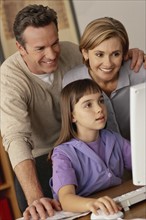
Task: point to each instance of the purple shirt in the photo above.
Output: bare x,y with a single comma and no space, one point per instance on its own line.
91,167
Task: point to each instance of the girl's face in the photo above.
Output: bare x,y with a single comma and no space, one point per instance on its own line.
89,114
105,60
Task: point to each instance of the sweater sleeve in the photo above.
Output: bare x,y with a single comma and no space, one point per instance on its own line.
15,122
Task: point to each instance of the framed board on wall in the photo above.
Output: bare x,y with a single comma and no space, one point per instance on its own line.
66,21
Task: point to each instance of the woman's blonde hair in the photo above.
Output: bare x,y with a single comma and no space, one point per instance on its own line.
100,30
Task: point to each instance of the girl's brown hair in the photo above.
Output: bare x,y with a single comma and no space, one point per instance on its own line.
70,95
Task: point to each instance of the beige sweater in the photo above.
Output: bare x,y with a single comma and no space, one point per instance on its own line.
30,111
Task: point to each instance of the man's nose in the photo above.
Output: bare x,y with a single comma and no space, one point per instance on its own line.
50,53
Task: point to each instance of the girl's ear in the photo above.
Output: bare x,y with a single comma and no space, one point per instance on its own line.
85,54
73,118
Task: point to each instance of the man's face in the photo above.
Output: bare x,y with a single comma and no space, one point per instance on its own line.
42,48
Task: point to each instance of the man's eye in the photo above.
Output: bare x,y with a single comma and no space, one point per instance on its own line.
56,43
39,48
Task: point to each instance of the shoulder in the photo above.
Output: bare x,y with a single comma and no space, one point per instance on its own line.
65,148
66,45
126,66
15,74
78,69
13,65
105,133
134,78
10,61
70,49
76,73
66,144
113,137
109,133
70,56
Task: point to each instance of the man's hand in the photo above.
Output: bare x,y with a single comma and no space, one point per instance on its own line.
138,58
41,208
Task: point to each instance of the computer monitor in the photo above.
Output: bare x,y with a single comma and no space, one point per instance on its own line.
138,133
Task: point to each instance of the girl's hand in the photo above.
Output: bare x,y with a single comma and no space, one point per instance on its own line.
105,204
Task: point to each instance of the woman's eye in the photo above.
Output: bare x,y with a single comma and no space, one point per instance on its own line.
99,54
116,54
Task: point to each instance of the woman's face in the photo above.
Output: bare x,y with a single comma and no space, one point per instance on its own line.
105,60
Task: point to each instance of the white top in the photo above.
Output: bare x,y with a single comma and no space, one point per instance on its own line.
47,77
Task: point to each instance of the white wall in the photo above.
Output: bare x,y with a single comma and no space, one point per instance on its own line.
132,13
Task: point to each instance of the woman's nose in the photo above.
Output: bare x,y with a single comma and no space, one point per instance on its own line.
107,61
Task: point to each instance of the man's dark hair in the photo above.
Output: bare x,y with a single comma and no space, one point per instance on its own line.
35,16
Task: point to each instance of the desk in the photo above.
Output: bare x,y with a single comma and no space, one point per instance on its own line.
136,211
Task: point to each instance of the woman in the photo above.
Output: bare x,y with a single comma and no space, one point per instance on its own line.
104,45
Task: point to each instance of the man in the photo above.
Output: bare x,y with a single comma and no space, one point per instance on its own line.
31,81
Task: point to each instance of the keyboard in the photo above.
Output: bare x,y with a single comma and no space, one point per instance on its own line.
131,198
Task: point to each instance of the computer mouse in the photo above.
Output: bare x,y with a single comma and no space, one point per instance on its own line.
102,216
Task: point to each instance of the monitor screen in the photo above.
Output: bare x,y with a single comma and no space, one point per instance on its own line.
138,133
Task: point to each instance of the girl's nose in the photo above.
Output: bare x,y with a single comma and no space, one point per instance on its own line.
98,109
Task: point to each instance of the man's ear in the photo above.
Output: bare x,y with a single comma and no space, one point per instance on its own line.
85,54
20,48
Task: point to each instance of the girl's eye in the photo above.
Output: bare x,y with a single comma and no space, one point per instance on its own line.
101,101
88,105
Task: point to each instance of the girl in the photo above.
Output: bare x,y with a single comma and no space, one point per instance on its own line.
87,158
